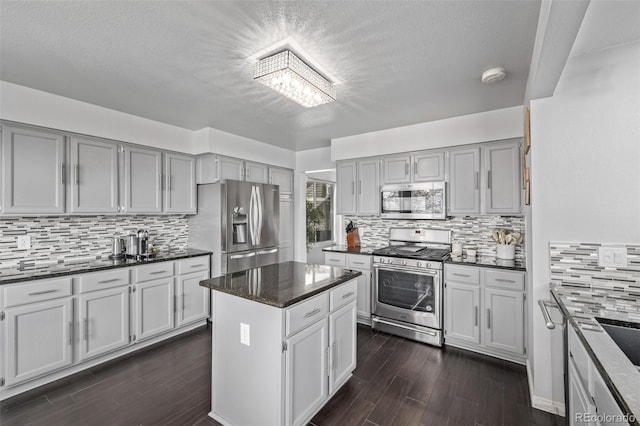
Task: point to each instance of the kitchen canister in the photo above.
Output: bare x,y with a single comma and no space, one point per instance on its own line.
506,251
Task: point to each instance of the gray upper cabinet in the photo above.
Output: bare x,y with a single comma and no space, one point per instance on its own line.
142,180
396,169
230,168
33,171
368,187
501,178
180,184
283,178
428,167
464,181
94,176
256,172
346,187
207,170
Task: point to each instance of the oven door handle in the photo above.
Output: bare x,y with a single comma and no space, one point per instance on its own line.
430,333
399,268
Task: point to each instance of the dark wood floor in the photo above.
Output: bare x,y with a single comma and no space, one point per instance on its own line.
397,382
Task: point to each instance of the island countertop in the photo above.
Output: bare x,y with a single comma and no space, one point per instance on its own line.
281,284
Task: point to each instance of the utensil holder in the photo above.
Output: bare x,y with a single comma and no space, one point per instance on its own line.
353,238
506,251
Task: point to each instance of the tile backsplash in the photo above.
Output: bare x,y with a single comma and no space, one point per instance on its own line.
471,230
66,238
576,264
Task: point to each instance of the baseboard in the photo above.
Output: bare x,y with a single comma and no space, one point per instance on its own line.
544,404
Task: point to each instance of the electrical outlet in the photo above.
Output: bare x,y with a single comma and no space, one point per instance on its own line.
613,257
24,242
245,337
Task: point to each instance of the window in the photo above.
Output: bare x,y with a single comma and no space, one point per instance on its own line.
319,211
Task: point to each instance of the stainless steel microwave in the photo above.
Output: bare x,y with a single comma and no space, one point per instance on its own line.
413,201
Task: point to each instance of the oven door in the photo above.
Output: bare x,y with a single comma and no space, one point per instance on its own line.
409,295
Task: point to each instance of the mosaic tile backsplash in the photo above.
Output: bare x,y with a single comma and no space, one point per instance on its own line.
66,238
576,264
468,230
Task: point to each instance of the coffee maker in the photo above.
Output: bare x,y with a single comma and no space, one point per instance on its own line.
138,246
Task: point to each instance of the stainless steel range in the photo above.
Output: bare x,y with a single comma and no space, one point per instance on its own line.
407,290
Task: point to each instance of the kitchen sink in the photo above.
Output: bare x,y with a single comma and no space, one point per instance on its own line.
626,335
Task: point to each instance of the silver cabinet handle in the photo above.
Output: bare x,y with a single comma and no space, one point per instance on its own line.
312,313
70,333
169,181
461,275
62,173
357,263
334,356
489,179
326,360
502,280
86,329
476,316
183,302
415,168
161,177
197,266
242,256
488,318
545,313
406,169
109,281
353,186
157,272
359,187
36,293
477,180
348,295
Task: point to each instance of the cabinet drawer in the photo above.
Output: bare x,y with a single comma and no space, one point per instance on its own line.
343,294
186,266
335,259
358,261
36,291
153,271
504,279
462,274
103,280
307,312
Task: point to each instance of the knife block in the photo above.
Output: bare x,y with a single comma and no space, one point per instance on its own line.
353,238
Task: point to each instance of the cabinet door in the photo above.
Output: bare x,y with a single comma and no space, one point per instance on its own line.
230,168
193,299
180,185
580,404
428,167
396,169
38,340
462,312
464,181
94,176
342,339
286,229
346,187
104,321
155,305
368,187
363,304
306,372
504,320
207,170
33,172
283,178
142,180
256,172
501,178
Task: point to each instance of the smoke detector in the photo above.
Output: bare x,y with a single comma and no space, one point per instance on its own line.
494,74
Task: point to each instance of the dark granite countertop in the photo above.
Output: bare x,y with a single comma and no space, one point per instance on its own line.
281,284
488,262
366,250
52,270
581,306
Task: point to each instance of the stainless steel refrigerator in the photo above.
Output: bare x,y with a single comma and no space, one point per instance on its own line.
238,222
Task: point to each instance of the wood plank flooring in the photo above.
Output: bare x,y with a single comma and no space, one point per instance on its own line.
397,382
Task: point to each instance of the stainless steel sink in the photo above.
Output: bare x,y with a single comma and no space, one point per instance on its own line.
626,335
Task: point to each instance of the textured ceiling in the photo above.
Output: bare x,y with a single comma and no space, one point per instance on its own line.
186,63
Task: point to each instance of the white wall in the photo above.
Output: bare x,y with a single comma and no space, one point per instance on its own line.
585,177
482,127
26,105
314,159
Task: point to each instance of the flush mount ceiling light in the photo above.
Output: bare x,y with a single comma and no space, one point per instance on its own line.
290,76
492,75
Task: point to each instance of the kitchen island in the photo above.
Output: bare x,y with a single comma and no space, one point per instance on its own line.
284,341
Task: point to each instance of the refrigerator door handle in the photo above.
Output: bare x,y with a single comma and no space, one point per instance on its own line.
242,256
252,232
259,221
275,250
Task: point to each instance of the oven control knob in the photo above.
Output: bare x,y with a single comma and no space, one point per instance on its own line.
390,261
404,262
381,260
419,264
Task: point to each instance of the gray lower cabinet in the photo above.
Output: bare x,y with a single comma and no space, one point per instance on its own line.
94,176
484,311
154,310
180,184
343,338
103,322
33,171
142,180
38,339
192,299
464,181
